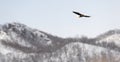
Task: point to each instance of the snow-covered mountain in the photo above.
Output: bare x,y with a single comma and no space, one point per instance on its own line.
20,43
110,39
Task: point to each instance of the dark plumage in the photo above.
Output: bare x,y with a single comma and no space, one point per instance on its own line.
80,15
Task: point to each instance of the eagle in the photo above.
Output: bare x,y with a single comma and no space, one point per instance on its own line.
80,15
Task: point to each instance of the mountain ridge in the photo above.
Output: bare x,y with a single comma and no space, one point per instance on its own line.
20,43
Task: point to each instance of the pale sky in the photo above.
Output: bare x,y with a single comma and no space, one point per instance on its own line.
56,17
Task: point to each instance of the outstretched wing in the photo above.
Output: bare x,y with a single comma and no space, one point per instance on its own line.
76,13
86,16
81,15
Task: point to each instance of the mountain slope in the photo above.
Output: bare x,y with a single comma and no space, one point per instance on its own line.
110,39
20,43
24,38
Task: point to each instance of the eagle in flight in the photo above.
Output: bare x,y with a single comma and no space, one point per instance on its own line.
80,15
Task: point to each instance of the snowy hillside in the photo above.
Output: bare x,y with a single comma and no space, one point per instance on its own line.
115,38
20,43
110,39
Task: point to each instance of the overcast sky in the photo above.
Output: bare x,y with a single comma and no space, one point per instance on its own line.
56,17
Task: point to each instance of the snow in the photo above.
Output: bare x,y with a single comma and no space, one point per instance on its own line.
74,51
4,50
3,35
89,49
84,51
115,38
